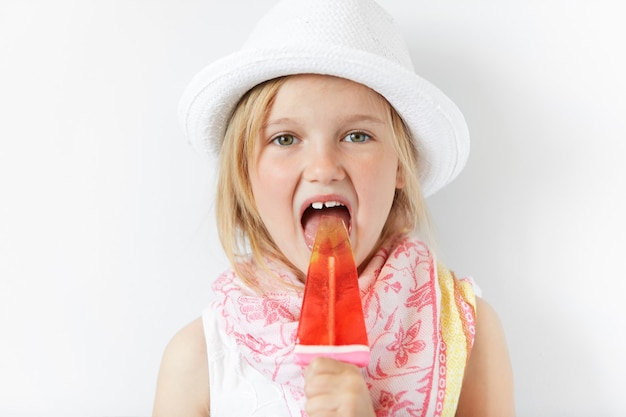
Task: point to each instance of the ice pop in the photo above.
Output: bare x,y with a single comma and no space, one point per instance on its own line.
331,322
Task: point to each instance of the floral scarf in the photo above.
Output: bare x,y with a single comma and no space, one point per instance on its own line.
420,322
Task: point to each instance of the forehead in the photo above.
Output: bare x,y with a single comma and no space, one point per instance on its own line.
306,92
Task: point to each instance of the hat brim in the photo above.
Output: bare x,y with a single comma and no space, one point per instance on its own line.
436,124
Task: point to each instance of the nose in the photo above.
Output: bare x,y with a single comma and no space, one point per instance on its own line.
323,163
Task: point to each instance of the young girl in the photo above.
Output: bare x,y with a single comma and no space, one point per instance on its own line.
321,112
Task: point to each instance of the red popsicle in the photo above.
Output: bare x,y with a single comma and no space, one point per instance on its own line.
331,322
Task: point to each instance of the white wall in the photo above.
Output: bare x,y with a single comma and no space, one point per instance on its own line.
107,244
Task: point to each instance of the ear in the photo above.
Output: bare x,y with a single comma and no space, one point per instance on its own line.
400,181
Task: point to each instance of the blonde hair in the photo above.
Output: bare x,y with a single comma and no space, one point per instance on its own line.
240,227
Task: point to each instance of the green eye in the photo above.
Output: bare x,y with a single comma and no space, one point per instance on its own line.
284,140
357,137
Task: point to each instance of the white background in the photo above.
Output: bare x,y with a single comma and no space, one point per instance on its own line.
107,242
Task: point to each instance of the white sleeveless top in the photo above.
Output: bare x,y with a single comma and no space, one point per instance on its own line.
236,388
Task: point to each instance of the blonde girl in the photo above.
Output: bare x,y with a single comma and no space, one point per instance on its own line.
321,112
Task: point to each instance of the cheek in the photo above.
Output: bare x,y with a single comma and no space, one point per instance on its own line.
262,191
272,180
384,176
378,183
271,192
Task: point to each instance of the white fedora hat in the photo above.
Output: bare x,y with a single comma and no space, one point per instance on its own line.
353,39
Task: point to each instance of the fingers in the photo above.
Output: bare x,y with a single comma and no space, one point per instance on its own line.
335,388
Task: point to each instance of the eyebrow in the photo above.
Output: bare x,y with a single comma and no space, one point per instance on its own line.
363,118
282,120
356,118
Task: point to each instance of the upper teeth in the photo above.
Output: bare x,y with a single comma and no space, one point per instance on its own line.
319,205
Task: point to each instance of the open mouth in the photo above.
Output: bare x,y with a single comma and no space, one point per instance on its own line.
312,215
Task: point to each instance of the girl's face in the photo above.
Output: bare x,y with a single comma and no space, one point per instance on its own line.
326,147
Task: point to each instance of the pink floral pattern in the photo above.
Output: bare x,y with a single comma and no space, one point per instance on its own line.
266,310
407,370
395,404
406,343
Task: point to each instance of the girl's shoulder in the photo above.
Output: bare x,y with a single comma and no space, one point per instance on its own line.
488,384
183,382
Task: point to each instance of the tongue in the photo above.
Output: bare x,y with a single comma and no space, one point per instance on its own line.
311,220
